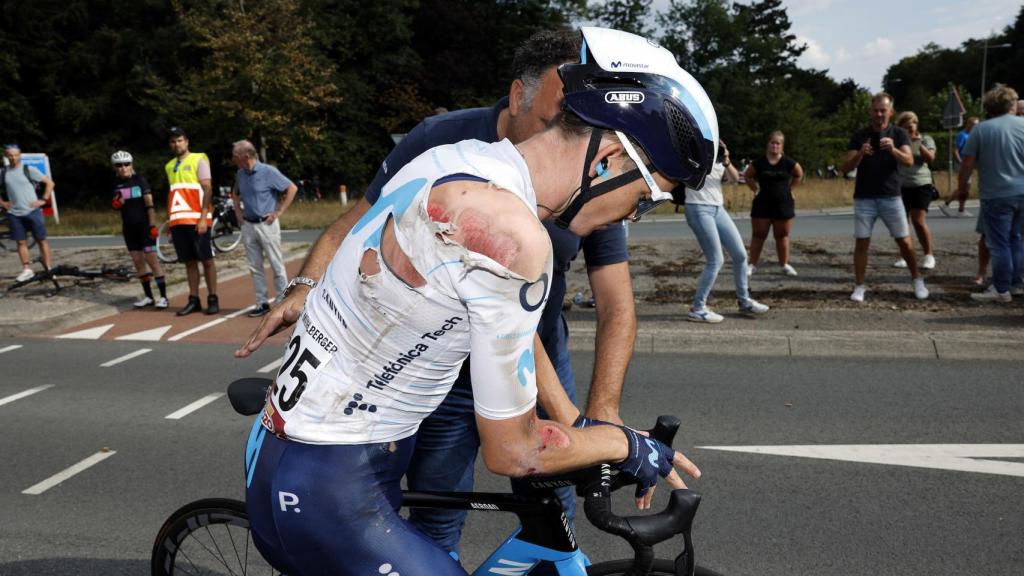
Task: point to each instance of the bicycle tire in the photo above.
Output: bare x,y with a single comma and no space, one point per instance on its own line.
165,246
225,236
208,537
662,567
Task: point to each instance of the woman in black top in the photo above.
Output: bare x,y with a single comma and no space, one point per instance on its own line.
772,179
133,199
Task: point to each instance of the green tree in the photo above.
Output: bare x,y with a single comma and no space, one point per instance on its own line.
626,15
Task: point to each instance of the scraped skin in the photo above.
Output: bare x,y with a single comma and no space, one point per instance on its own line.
493,222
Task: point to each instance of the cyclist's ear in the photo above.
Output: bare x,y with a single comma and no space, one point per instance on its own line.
516,97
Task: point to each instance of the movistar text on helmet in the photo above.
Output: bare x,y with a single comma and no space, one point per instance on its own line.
621,64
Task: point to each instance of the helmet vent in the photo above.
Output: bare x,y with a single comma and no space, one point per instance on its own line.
683,139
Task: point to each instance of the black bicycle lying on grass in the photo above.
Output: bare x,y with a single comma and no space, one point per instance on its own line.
116,273
211,536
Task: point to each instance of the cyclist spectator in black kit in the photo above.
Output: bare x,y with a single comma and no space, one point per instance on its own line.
134,200
772,178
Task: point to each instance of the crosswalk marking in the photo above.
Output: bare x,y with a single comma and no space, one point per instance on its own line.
126,357
199,328
20,395
179,414
152,335
69,472
89,333
10,348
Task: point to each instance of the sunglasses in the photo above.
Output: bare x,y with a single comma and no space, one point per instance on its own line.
122,164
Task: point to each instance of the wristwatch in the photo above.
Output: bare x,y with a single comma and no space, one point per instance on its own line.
299,280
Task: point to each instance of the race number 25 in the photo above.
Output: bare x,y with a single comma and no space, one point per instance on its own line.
292,378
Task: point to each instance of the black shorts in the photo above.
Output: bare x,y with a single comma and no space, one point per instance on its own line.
917,197
137,238
773,207
189,245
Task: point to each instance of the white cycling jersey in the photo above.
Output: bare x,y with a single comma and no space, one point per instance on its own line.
372,356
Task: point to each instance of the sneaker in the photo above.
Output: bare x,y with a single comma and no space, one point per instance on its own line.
858,293
26,274
192,306
143,302
991,295
704,315
751,269
260,310
964,214
751,306
788,270
212,304
161,302
946,210
920,290
901,263
928,263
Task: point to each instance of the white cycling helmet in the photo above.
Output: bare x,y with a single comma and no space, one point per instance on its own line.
121,157
629,84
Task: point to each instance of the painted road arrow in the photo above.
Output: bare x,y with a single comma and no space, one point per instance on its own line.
959,457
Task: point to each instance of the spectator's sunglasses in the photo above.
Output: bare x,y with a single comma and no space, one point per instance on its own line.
122,164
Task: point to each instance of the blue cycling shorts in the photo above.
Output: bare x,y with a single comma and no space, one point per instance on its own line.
333,509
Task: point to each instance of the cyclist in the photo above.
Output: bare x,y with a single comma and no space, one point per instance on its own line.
134,200
452,259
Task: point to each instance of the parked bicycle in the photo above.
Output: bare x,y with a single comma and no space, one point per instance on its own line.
211,536
225,231
6,242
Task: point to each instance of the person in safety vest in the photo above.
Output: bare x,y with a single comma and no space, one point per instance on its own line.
189,210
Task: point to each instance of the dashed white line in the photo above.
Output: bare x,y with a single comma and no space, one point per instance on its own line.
20,395
126,357
179,414
209,324
9,348
271,367
69,472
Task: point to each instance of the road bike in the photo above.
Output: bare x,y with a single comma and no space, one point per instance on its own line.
105,272
211,536
6,242
226,234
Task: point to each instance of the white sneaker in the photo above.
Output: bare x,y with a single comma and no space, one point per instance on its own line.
704,315
928,263
991,295
161,302
901,263
751,269
920,291
751,306
858,293
946,210
788,270
143,302
26,274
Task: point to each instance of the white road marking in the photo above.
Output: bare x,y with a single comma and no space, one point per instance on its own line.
153,335
179,414
9,348
272,366
209,324
20,395
958,457
89,333
126,357
69,472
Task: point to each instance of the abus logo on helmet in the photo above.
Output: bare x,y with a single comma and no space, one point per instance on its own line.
624,97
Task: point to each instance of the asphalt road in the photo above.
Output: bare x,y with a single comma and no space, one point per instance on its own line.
761,514
815,225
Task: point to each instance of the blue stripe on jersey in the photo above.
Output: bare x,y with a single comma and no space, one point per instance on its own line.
252,448
397,201
460,176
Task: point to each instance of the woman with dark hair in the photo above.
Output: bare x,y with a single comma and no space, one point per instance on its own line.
772,178
711,224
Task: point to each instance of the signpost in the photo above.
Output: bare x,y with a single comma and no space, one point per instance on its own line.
952,117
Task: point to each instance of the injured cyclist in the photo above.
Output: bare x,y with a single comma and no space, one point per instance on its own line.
453,259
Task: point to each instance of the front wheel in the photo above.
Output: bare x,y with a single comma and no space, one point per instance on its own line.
208,537
164,245
661,567
225,236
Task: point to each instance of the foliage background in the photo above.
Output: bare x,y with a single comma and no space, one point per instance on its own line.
320,85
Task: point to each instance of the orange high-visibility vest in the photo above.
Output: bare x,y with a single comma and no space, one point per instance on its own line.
185,201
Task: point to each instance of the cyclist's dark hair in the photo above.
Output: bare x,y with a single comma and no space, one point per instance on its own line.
540,52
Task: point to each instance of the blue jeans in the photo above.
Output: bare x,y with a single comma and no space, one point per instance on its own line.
1003,218
714,229
446,447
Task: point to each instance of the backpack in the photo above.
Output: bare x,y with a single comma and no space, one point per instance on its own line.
40,189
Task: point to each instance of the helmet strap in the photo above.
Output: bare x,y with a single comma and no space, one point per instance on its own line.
588,192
